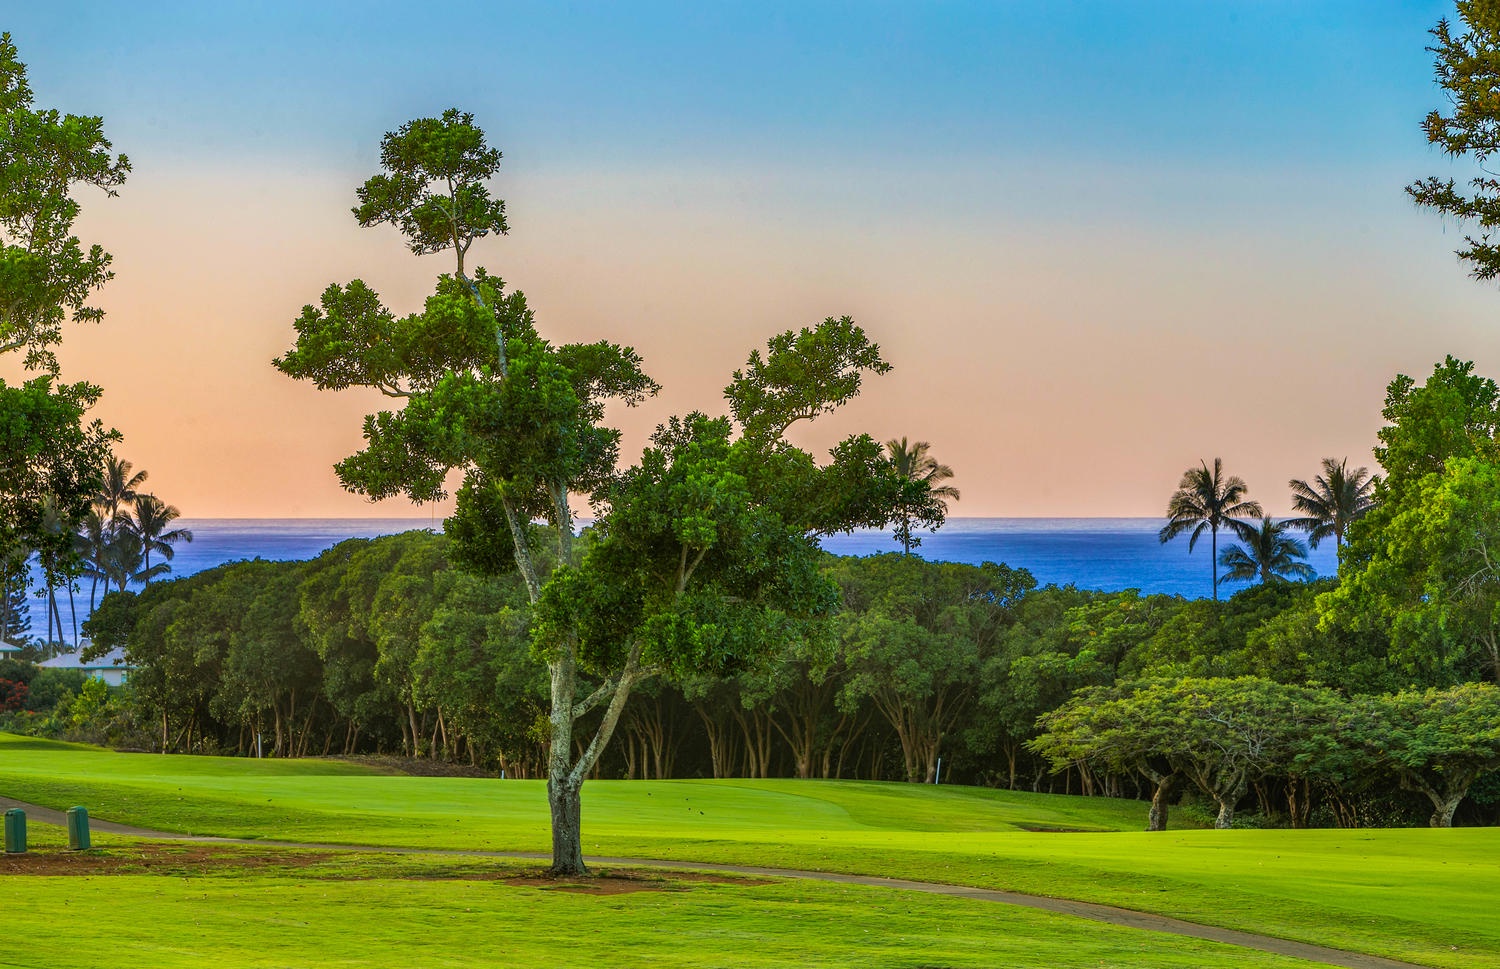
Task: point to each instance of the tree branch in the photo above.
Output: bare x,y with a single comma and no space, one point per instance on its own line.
592,700
628,677
685,569
523,551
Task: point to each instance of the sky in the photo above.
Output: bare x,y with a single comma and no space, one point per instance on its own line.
1099,241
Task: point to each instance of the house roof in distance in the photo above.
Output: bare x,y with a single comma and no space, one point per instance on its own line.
114,659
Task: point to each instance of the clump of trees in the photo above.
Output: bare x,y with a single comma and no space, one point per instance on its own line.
1227,735
373,646
65,502
51,453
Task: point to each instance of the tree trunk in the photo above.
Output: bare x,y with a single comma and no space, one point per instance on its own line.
633,757
1263,798
800,734
844,736
1299,800
565,779
563,797
312,708
1166,787
1445,799
1214,560
1443,809
755,726
718,741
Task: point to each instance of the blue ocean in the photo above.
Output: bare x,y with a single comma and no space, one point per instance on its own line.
1092,553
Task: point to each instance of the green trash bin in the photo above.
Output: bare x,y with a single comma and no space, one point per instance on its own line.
78,829
15,831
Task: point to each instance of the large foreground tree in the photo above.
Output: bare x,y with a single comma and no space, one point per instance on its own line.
703,556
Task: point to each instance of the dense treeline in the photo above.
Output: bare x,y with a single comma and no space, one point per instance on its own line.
381,646
1365,699
372,646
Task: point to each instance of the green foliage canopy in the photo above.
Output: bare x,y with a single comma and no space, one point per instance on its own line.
49,453
1420,564
1467,68
45,273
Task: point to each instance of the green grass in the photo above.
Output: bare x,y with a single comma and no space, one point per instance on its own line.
360,910
1420,895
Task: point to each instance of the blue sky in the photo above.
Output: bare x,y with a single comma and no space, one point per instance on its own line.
1128,83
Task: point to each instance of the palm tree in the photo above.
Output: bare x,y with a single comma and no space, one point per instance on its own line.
1334,500
91,541
123,559
1208,500
914,464
53,571
119,488
1269,554
149,525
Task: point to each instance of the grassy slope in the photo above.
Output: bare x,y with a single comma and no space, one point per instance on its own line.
308,916
1414,894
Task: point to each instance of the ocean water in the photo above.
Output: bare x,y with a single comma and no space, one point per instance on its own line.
1093,553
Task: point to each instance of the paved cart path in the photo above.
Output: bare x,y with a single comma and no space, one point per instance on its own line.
1109,914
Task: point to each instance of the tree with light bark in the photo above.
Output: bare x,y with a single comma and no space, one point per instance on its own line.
703,555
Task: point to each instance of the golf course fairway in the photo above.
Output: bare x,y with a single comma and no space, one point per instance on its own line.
1418,895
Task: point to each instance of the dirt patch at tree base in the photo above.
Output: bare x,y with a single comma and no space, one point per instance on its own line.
185,860
625,881
153,859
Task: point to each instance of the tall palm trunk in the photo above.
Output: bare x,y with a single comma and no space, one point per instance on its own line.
57,613
1213,548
